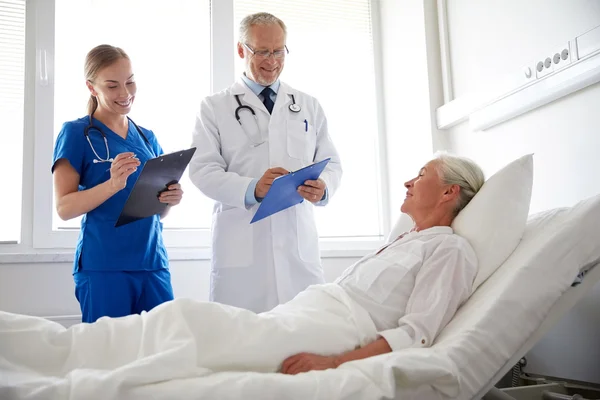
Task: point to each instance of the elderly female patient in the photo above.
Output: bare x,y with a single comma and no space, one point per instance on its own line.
400,296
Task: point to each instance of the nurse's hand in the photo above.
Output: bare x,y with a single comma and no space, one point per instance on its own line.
313,191
122,166
265,182
172,196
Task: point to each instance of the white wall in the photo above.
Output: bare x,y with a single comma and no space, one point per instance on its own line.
487,38
47,289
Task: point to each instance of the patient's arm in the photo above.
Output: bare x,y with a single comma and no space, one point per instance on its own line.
442,284
380,346
305,362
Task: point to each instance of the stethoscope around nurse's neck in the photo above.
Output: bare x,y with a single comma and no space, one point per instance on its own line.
108,158
295,108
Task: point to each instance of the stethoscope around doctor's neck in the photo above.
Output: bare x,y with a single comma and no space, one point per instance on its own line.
108,158
295,108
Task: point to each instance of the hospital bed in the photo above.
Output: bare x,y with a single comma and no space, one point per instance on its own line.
506,315
567,301
556,263
536,287
501,321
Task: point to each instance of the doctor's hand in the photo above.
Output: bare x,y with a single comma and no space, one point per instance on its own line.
313,191
122,166
305,362
265,182
172,196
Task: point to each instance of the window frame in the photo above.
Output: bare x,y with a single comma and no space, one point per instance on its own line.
14,238
37,235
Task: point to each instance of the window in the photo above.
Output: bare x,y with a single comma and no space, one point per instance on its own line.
169,47
12,83
329,39
184,50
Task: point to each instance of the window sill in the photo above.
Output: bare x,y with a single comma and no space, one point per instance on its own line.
199,254
66,256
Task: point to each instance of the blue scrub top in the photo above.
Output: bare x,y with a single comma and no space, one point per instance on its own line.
137,246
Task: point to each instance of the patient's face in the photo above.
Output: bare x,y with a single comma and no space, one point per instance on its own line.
424,192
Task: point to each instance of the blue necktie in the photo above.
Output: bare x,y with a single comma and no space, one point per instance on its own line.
267,101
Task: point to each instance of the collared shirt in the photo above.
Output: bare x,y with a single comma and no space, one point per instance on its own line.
257,88
412,288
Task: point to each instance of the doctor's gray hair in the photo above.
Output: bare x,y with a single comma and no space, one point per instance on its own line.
461,171
99,57
261,18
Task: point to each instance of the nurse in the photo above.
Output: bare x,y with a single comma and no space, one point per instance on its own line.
124,270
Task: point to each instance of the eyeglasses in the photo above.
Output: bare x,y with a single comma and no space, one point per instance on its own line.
266,53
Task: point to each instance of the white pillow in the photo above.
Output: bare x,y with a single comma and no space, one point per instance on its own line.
494,220
404,224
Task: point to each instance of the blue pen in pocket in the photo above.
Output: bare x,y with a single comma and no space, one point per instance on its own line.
305,126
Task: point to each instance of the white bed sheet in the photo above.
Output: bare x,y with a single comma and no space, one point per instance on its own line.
174,350
486,332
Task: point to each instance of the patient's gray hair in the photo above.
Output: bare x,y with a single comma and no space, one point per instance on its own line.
261,18
461,171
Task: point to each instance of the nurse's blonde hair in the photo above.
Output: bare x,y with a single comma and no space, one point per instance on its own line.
100,57
461,171
261,18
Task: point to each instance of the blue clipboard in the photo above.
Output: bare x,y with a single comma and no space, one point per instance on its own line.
284,190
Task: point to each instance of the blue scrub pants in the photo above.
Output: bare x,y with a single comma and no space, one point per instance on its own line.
118,293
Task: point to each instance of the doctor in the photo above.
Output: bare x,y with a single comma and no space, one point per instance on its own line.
248,135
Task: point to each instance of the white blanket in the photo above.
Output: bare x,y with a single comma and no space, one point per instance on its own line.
189,349
168,353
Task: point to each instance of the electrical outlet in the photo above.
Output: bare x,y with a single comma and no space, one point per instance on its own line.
561,57
543,67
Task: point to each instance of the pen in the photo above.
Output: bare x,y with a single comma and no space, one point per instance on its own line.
305,126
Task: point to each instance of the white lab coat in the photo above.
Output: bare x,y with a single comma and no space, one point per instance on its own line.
257,266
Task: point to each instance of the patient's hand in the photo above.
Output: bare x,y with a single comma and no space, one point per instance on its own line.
305,362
